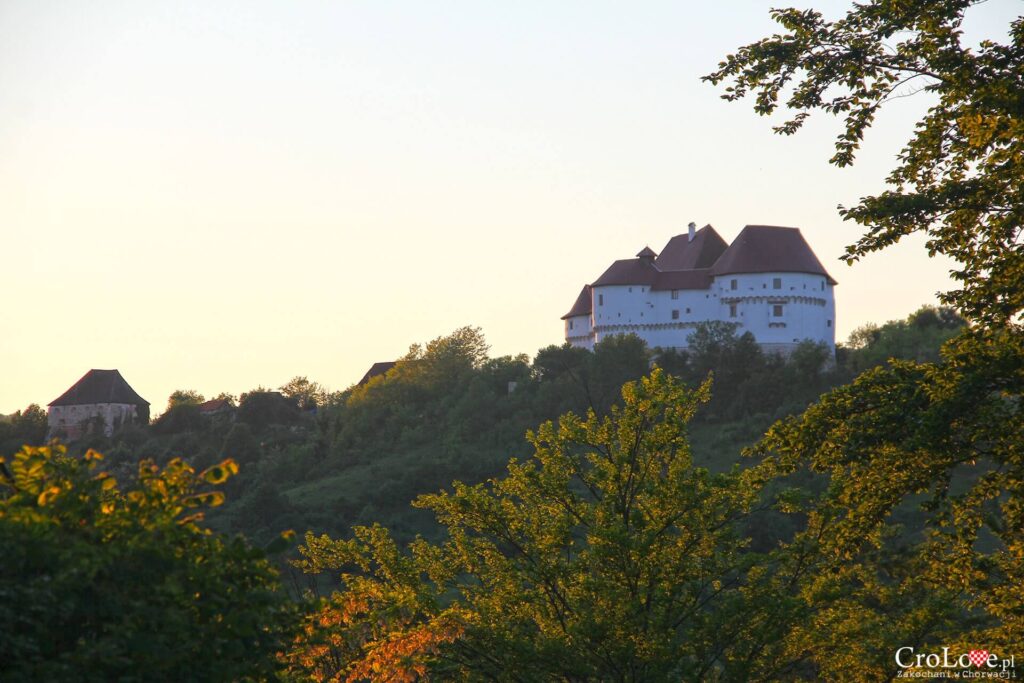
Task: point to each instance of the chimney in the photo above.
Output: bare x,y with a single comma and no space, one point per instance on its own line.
693,230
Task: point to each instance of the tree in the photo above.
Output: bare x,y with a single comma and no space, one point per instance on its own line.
307,395
606,556
27,426
260,408
942,441
959,180
184,397
104,584
937,444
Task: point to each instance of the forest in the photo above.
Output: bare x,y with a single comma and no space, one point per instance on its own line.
624,514
315,460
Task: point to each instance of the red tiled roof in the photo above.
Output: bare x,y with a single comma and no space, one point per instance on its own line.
583,305
99,386
691,264
634,271
214,405
769,249
682,254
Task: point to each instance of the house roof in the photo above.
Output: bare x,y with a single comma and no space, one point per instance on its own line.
692,264
99,386
698,278
633,271
583,305
214,405
769,249
377,369
681,253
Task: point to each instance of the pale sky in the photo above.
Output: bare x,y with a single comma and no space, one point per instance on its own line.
222,195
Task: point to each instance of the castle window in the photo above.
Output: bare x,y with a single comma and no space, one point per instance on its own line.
828,323
630,290
675,314
570,324
777,283
777,310
823,285
675,293
733,284
600,299
687,310
732,310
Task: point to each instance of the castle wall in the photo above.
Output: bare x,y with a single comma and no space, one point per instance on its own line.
779,309
579,331
73,421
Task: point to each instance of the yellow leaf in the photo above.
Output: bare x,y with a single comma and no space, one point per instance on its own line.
213,499
219,473
48,495
93,455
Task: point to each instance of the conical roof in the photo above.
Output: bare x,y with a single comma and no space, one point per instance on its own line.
769,249
100,386
583,305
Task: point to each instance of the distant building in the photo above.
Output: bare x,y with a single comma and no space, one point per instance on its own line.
377,369
217,406
767,282
101,399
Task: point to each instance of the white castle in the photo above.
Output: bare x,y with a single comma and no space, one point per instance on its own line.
768,282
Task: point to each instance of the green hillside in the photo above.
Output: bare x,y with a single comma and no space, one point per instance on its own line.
447,411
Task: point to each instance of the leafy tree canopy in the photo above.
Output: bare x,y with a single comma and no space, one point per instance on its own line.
605,556
184,397
960,178
100,583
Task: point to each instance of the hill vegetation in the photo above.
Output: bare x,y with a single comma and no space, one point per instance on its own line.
315,460
874,531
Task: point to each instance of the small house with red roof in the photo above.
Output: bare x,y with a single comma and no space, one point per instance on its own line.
101,399
767,282
216,406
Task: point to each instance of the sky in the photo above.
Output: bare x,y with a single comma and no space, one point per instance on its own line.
224,195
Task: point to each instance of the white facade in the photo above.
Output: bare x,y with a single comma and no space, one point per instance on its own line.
780,308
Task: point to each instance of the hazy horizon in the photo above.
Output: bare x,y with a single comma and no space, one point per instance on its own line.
217,196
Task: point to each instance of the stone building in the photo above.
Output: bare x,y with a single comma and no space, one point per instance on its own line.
102,399
767,282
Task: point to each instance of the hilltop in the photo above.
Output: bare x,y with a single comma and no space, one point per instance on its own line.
448,411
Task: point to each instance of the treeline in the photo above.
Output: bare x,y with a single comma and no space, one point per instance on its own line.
312,459
604,548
